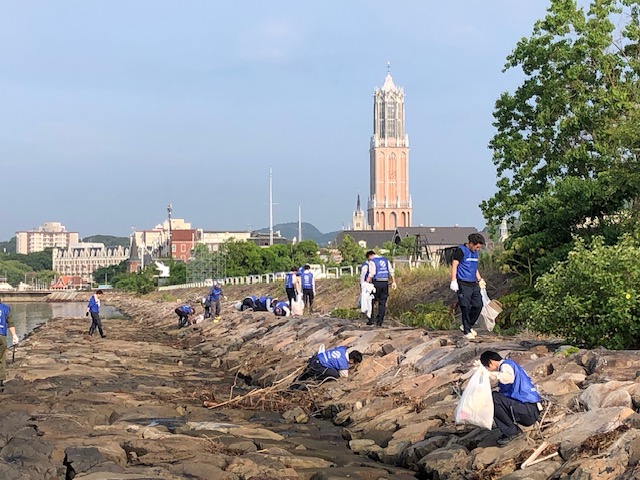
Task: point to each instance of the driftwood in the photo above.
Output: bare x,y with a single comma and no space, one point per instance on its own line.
259,391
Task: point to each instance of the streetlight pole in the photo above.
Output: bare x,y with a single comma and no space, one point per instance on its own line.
169,211
270,206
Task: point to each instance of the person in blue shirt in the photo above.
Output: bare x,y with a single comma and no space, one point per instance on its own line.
517,399
466,281
380,273
308,288
263,304
332,363
184,312
292,285
93,308
215,297
281,309
6,326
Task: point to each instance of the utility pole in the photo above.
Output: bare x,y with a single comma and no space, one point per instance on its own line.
270,206
169,210
299,223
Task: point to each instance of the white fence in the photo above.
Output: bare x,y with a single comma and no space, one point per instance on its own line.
319,271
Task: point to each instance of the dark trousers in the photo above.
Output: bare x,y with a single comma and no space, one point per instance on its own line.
470,303
96,323
291,295
307,296
248,304
507,412
314,369
207,311
380,297
215,306
183,318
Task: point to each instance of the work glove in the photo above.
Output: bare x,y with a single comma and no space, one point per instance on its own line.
225,298
454,285
15,339
394,285
477,363
482,283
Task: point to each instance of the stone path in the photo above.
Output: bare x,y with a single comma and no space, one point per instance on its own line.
130,407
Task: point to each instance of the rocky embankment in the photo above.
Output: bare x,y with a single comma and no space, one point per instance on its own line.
212,402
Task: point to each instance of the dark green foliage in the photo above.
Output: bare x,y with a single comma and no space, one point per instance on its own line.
433,316
107,274
352,253
109,240
591,299
568,138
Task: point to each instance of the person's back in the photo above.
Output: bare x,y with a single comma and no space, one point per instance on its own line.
281,309
308,288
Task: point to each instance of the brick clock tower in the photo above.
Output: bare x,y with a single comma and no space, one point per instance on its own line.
389,202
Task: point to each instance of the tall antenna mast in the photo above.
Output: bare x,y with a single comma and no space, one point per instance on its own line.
299,223
270,206
169,210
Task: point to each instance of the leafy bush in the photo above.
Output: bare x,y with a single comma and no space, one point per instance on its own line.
434,316
347,313
591,299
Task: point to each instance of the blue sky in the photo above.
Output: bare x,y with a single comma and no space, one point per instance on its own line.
112,109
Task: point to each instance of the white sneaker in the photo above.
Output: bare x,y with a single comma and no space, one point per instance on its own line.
475,334
469,336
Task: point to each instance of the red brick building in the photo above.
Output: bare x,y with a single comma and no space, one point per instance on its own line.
182,242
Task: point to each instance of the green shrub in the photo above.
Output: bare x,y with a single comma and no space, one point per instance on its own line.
591,299
434,316
346,313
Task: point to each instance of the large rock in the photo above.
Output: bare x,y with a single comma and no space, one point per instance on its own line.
445,463
603,395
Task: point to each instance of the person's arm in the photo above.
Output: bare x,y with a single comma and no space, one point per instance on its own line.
12,329
454,269
343,373
372,271
393,276
504,374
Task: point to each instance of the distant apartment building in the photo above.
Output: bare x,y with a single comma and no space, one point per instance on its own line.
47,235
82,259
213,239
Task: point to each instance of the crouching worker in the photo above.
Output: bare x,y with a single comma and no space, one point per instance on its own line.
281,309
516,401
184,312
248,303
332,363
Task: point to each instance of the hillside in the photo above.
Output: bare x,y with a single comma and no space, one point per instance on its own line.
108,240
9,246
309,232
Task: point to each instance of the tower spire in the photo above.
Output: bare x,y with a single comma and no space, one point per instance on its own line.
388,68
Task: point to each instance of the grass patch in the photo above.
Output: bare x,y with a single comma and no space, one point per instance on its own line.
167,297
433,316
346,313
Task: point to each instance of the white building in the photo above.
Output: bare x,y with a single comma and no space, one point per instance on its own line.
82,259
47,235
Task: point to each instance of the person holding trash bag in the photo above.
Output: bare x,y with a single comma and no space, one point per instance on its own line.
466,281
516,401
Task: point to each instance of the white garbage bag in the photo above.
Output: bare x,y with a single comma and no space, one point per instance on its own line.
297,307
490,311
366,298
476,404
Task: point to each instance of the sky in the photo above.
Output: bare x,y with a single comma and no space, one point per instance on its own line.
110,110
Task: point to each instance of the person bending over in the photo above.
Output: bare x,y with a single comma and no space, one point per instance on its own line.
516,401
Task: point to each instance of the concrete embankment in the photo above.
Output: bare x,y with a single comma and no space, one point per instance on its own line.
397,407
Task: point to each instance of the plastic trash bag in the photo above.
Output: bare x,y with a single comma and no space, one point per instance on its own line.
366,299
297,307
476,404
490,310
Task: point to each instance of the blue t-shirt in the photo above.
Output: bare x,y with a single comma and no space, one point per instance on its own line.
93,305
5,310
335,358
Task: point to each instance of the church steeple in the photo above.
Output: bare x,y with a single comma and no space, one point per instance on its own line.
389,202
358,222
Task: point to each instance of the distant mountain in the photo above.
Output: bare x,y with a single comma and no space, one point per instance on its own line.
108,240
309,232
8,246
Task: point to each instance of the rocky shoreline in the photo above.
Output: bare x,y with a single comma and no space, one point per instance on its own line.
134,406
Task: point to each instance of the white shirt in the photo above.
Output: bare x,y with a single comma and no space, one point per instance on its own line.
504,374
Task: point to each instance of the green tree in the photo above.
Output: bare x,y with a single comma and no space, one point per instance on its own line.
567,141
306,252
107,274
177,272
352,252
591,299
